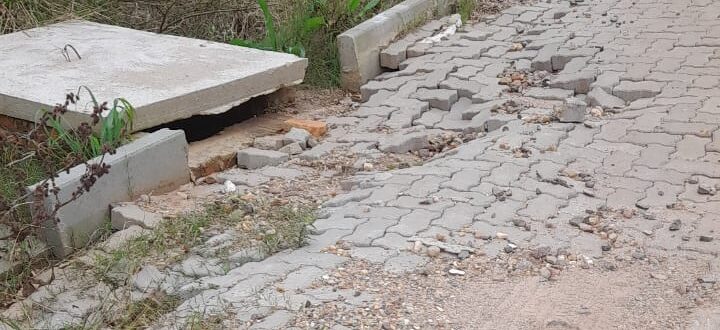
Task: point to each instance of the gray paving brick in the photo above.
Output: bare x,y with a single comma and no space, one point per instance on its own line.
563,56
578,81
548,93
599,97
442,99
631,91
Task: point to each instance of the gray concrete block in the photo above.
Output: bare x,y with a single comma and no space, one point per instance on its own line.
359,48
252,158
156,162
125,215
573,111
393,55
292,149
165,77
271,142
298,135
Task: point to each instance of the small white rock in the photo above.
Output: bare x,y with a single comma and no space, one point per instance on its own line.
229,187
454,271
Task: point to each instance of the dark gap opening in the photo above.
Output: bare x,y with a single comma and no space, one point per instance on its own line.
201,127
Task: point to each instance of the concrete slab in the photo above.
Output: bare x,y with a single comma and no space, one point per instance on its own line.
165,77
154,163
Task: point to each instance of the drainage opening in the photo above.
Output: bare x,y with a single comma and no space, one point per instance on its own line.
201,127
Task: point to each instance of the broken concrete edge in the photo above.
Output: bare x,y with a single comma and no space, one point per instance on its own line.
359,48
154,163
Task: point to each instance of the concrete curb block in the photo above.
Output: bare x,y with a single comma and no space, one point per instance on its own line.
360,46
157,162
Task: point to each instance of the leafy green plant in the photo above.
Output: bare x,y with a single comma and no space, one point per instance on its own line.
354,5
280,42
311,31
466,9
115,125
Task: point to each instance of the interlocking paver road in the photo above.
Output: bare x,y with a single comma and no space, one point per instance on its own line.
638,176
652,158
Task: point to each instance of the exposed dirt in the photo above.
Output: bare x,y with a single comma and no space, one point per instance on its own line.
597,298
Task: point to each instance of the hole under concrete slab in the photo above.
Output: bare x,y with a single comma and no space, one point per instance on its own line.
200,127
215,139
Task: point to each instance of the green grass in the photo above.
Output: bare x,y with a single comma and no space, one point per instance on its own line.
143,313
466,8
311,30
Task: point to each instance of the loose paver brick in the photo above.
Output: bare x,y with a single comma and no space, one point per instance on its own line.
631,91
252,158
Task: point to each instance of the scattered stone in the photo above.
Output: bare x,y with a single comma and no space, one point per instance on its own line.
642,206
464,254
705,238
516,47
545,273
368,167
229,187
586,228
500,235
433,251
658,276
709,279
457,272
628,213
482,236
705,189
440,244
510,248
675,225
